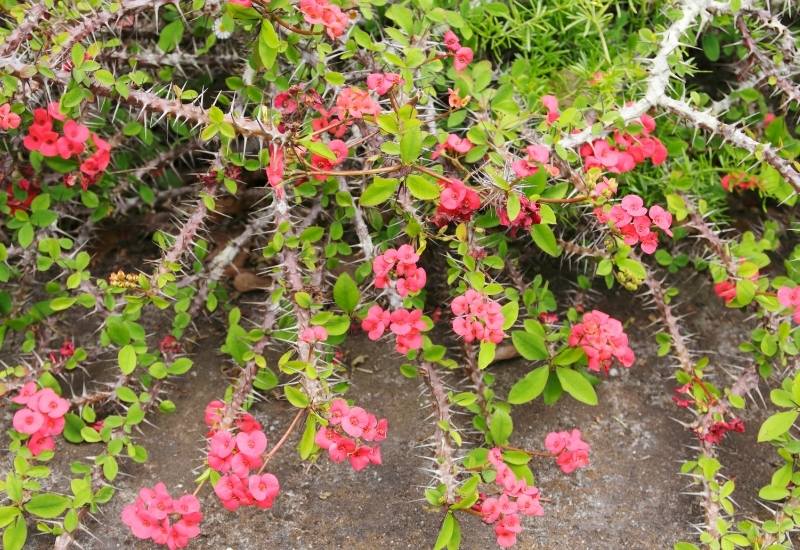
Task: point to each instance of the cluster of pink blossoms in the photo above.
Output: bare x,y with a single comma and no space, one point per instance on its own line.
717,431
408,278
633,220
41,418
518,498
348,428
790,299
453,144
323,164
356,103
627,152
156,515
570,450
536,156
310,335
9,120
236,456
602,339
406,325
43,138
457,203
478,317
381,83
462,56
528,215
322,12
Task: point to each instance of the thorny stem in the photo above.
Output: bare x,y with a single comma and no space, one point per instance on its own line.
446,463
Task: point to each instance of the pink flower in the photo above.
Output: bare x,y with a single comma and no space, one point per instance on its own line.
381,83
8,119
407,327
251,444
263,487
222,444
321,12
25,393
555,442
275,170
213,411
355,421
550,103
27,421
39,442
462,58
376,322
51,404
451,41
322,164
457,203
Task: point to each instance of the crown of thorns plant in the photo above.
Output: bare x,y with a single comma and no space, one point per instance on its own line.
329,158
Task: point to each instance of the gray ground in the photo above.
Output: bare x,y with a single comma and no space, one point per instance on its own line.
630,497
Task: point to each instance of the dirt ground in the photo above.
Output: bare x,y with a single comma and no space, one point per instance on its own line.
630,497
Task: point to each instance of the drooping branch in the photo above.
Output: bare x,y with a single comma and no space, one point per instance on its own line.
446,464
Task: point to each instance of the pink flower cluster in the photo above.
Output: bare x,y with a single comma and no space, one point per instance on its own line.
323,164
635,222
602,339
381,83
236,456
322,12
310,335
528,215
43,138
478,317
550,103
157,516
406,325
517,498
453,144
536,156
717,431
409,279
790,299
8,120
347,430
570,450
462,56
355,102
628,150
41,418
457,203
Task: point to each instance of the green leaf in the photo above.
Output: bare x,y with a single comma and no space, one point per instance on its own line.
319,148
47,505
7,515
575,384
486,354
530,386
776,425
127,359
25,235
61,303
379,191
268,34
15,535
345,293
513,206
530,346
500,426
422,188
545,239
306,445
510,313
711,46
411,145
447,528
296,397
171,36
